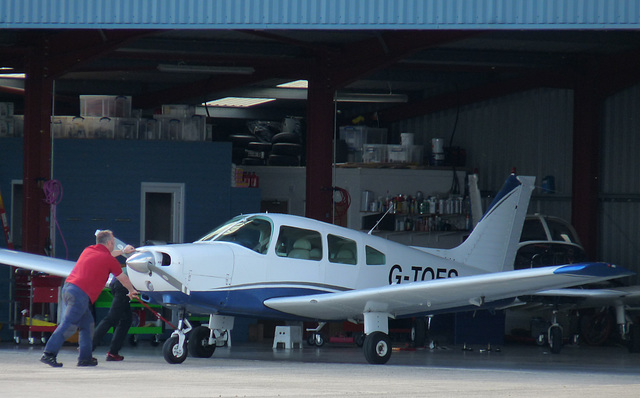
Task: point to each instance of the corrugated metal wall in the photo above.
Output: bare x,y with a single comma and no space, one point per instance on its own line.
530,131
620,180
321,14
533,131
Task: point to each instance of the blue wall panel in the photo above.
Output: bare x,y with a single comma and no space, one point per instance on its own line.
101,183
10,169
321,14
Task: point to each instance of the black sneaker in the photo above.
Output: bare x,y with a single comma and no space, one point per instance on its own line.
50,360
88,362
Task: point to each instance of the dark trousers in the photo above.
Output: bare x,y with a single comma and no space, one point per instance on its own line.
119,317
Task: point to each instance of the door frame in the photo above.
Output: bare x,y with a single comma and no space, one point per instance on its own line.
177,191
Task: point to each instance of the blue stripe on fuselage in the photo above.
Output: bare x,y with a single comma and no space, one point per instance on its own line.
241,302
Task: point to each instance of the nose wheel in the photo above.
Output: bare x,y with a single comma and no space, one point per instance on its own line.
174,349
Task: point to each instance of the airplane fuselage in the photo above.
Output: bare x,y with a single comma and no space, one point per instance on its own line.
233,277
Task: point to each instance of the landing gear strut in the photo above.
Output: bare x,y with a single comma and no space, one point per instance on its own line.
377,344
315,338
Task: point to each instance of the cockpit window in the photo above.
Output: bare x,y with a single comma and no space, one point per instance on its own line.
251,232
533,230
342,250
561,232
299,243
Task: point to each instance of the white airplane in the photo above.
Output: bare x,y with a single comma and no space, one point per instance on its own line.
293,268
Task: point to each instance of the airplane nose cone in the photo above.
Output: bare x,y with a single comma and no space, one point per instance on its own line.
141,262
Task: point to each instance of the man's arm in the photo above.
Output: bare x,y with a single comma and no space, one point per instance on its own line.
128,249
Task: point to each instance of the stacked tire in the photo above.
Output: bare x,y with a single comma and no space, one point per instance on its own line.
247,150
286,150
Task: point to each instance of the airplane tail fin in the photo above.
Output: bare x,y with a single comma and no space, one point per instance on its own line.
493,243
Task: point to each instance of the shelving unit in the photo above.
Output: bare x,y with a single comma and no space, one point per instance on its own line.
35,305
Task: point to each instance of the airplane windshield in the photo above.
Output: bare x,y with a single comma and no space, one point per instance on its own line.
251,232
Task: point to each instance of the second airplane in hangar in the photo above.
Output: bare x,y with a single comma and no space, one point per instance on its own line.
288,267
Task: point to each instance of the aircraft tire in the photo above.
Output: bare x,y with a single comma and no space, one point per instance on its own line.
315,339
420,332
377,348
199,346
555,339
172,353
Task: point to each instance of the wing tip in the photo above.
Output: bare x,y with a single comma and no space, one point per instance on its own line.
594,269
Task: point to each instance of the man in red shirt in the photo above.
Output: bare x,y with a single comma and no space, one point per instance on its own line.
81,289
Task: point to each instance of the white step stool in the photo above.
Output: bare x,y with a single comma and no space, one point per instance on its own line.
289,336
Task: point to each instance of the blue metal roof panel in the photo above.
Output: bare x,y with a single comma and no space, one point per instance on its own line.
321,14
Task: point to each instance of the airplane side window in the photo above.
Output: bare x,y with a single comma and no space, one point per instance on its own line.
560,232
533,230
299,243
374,257
342,250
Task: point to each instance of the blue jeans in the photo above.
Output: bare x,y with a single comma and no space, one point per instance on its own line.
78,315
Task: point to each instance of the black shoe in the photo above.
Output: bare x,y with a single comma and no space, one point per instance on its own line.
50,360
88,362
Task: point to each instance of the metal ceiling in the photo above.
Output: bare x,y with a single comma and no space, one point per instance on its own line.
421,48
420,64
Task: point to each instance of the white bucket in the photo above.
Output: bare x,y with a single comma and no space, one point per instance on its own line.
406,139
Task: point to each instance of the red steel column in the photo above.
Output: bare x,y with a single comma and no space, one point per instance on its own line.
587,105
320,127
37,153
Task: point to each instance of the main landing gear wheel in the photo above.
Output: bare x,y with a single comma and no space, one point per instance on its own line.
555,339
634,338
315,339
377,348
173,352
199,346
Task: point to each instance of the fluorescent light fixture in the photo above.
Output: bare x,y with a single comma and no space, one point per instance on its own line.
183,68
7,72
295,84
366,97
12,75
238,102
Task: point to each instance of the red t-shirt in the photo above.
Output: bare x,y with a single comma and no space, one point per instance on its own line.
92,270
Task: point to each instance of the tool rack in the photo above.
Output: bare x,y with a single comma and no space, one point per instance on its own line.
35,301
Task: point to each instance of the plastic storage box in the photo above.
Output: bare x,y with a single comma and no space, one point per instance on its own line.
182,129
405,153
374,153
105,106
357,136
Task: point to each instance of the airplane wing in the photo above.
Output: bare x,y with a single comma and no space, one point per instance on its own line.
443,294
597,297
35,262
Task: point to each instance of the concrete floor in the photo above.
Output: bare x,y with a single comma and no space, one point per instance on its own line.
256,370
